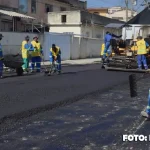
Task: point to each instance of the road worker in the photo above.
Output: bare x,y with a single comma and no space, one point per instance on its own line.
36,55
107,40
141,52
55,55
26,47
1,58
146,113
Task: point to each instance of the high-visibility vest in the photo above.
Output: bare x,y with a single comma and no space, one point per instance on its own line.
35,52
39,48
25,52
141,45
55,54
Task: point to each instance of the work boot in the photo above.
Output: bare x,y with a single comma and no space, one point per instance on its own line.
59,72
145,114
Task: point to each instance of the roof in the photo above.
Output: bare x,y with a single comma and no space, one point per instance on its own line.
90,18
141,18
117,25
15,14
97,9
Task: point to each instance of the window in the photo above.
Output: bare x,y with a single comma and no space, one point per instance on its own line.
63,18
23,6
48,8
33,6
62,9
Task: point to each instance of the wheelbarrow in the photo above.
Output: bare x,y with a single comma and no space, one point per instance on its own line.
14,62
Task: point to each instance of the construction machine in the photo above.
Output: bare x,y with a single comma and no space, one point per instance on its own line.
123,54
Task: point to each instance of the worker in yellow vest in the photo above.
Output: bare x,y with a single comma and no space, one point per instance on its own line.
26,47
141,52
36,55
55,55
39,55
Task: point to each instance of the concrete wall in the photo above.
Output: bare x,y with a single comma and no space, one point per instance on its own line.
92,31
10,3
62,29
71,47
85,48
72,18
11,41
61,40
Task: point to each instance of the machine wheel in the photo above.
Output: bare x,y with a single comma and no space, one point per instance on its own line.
102,66
19,71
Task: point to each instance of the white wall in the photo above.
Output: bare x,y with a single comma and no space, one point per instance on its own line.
132,32
85,47
71,29
11,41
72,17
61,40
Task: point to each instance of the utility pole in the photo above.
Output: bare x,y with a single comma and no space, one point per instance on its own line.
127,7
132,11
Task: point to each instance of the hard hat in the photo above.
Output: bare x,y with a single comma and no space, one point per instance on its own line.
27,37
35,37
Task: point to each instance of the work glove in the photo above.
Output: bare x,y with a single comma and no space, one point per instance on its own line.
2,58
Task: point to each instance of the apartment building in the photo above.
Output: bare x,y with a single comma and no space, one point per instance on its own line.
38,9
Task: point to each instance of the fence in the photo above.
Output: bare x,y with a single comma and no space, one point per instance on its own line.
71,47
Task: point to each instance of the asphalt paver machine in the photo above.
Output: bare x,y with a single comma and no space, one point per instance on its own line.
123,55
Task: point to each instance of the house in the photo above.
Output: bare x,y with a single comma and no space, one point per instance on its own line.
141,23
118,13
37,9
80,23
99,11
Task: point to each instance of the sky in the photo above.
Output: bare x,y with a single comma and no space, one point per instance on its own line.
110,3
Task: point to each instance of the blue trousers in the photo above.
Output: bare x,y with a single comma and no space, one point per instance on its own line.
1,68
142,59
36,61
58,62
106,50
148,106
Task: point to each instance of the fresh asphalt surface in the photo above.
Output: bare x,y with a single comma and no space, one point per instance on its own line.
85,108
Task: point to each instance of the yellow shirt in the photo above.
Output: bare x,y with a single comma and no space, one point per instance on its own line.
141,47
55,54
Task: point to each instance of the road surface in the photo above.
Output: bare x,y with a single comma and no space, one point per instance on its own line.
85,108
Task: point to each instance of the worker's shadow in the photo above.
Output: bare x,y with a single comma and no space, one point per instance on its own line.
69,73
14,75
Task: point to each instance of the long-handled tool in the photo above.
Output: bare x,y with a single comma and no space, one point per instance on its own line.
53,68
45,68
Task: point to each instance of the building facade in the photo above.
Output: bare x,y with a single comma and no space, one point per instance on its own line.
99,11
118,13
38,9
79,23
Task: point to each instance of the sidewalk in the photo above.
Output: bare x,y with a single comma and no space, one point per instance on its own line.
77,62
